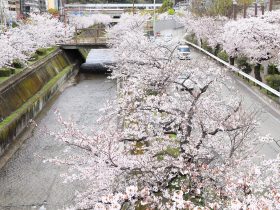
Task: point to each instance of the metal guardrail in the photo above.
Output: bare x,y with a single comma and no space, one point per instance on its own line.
233,68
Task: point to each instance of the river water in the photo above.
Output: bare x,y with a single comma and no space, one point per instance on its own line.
26,182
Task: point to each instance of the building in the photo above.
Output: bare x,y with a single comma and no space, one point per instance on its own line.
276,4
5,14
14,6
32,6
42,6
54,4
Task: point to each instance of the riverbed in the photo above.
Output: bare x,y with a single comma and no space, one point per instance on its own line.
26,182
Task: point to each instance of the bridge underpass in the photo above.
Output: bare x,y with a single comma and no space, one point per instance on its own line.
93,39
98,60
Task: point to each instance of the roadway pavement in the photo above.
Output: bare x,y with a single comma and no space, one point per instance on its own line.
269,112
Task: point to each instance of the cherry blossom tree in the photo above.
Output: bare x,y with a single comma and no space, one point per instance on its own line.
254,38
174,138
90,20
206,29
39,31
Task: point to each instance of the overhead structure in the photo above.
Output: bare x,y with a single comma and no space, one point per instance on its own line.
114,10
98,60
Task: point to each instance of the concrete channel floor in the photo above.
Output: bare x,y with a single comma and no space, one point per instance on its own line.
26,182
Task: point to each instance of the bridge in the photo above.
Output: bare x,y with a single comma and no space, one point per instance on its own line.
114,10
93,37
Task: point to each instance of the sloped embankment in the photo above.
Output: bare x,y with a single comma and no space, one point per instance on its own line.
24,96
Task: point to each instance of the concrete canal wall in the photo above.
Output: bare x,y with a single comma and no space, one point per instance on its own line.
25,94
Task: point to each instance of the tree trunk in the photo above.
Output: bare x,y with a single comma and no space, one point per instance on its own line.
256,9
217,49
270,5
262,9
265,68
199,42
257,72
234,11
244,11
231,61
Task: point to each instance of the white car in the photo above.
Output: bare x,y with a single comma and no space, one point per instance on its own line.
184,52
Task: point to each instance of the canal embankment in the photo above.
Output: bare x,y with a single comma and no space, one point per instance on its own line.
23,96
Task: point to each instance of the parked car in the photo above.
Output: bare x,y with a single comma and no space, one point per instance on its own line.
184,52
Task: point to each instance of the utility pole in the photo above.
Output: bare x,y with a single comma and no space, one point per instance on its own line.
262,7
22,8
270,5
2,14
133,7
154,22
256,8
244,10
234,6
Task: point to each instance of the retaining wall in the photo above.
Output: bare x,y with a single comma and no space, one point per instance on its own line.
24,96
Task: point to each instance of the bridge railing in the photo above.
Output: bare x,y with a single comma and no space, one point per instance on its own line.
94,35
240,72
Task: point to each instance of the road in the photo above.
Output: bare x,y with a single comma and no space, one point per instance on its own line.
269,117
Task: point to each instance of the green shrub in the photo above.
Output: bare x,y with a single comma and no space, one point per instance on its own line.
41,51
5,72
191,38
242,63
273,81
33,57
166,5
54,12
17,63
223,55
205,46
14,24
272,69
13,70
171,11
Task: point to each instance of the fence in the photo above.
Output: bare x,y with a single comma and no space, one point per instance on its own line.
94,35
233,68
